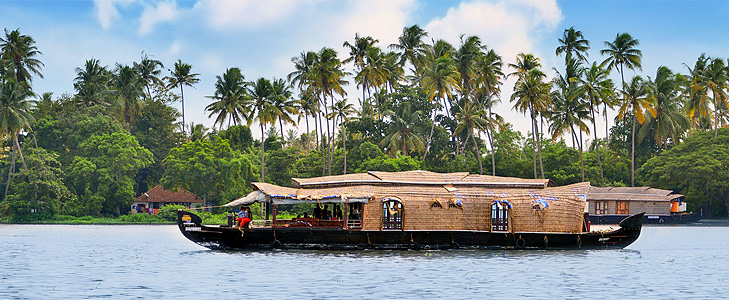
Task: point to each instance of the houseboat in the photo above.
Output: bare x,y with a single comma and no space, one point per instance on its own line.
609,205
416,210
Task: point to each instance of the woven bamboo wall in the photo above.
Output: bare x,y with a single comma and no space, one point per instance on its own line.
634,207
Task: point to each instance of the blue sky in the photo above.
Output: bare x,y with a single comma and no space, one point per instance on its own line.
260,37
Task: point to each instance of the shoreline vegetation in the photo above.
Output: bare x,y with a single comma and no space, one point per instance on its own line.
422,103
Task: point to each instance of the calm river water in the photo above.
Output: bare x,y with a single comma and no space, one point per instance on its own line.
157,262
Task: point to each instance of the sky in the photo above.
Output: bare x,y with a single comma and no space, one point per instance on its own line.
261,37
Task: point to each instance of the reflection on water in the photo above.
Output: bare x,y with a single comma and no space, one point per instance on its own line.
156,262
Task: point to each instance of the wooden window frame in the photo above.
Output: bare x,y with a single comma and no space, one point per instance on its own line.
392,221
622,207
601,210
499,216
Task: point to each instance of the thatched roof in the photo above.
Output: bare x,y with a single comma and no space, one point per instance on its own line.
160,194
632,194
419,177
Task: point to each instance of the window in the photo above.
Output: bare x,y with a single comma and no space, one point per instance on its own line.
601,208
392,210
622,208
499,217
435,204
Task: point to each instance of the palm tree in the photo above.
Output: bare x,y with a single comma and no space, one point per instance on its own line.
403,134
471,117
634,104
697,91
669,122
358,50
567,114
342,111
14,117
597,89
531,95
149,70
198,132
91,83
372,73
717,82
466,57
411,46
307,107
284,107
230,98
126,93
395,72
573,42
439,79
328,79
488,87
303,79
19,52
261,110
181,76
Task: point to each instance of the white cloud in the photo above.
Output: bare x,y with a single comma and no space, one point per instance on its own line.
175,48
164,12
106,11
222,14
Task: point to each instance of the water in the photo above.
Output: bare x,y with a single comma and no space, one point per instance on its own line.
157,262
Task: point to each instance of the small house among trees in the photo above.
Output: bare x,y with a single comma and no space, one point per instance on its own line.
158,197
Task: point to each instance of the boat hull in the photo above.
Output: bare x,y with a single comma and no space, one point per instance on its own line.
683,218
220,237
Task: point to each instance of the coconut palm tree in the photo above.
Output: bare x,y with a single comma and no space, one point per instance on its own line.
126,93
284,107
411,46
372,72
91,84
488,86
574,43
343,112
328,79
307,107
439,79
622,53
597,89
404,135
261,110
634,104
395,72
567,114
669,122
531,94
149,70
303,79
15,116
716,81
182,76
198,132
471,117
231,101
358,50
19,52
697,92
466,57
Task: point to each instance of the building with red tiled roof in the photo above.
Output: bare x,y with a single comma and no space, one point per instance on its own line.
158,197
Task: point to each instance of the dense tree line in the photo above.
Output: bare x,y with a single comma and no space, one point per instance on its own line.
422,106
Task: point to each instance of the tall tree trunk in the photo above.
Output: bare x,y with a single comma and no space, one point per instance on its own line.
182,96
263,152
607,127
539,151
308,133
478,153
321,147
280,124
597,146
534,141
463,149
11,171
632,153
331,141
20,151
582,162
430,137
493,153
344,144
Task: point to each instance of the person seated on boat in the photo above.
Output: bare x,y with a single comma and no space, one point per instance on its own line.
306,215
326,214
337,212
317,211
244,217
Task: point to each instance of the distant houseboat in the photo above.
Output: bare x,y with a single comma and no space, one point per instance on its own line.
609,205
417,210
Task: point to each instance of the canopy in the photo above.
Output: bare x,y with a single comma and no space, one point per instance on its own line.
255,196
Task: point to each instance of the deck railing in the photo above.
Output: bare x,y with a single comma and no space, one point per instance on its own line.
306,222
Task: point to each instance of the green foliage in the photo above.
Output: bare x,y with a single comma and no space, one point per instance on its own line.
169,212
239,137
209,169
384,163
697,165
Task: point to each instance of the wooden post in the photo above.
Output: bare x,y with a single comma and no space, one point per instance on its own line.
273,222
268,210
345,214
